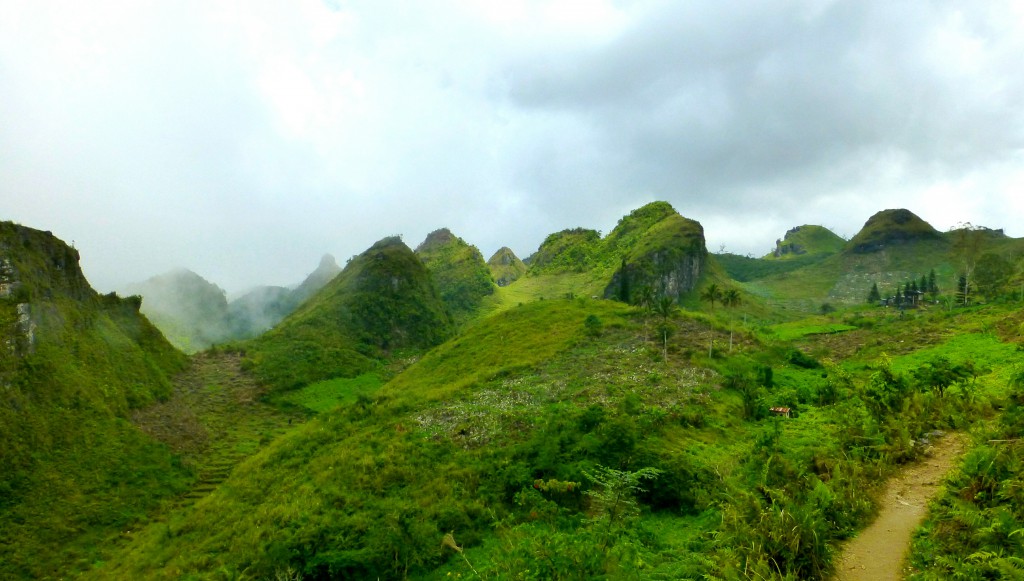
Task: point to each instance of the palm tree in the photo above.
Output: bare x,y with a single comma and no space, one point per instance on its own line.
711,293
665,307
731,298
645,299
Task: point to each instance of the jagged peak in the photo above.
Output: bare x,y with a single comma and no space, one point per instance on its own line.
328,262
503,257
437,238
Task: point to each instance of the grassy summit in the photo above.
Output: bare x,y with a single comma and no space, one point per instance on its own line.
383,302
459,270
807,240
892,227
505,266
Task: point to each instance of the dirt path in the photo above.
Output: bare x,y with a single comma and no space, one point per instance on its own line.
214,419
877,553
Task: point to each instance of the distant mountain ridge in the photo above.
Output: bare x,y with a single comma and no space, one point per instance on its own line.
195,314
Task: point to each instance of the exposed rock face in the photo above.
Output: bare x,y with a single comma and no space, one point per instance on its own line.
435,239
659,249
782,247
506,267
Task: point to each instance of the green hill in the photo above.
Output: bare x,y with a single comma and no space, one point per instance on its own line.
807,240
506,267
893,247
459,270
890,228
73,365
552,435
653,246
384,302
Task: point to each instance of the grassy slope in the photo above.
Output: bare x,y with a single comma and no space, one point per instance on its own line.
73,470
383,302
492,434
462,277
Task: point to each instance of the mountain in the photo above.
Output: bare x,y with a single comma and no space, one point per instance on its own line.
653,246
73,366
383,302
889,228
571,250
258,310
318,279
505,266
807,240
574,437
459,270
657,248
191,311
194,313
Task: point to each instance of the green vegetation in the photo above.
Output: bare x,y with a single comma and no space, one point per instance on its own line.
506,267
73,364
383,303
697,427
806,241
459,271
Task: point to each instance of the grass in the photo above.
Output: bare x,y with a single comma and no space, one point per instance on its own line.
324,396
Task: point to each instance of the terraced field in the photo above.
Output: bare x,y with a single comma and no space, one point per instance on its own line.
215,419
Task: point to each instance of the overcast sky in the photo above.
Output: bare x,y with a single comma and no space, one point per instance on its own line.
244,139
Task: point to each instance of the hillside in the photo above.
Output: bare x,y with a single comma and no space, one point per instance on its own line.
194,313
893,247
383,303
316,280
505,266
807,240
73,364
555,437
458,270
652,247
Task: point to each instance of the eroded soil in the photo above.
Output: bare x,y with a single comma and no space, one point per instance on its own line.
878,552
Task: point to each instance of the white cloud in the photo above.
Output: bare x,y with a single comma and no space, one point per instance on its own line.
244,139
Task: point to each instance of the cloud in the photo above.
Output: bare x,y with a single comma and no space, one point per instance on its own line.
244,140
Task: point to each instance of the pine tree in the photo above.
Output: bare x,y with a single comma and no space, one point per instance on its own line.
933,288
874,296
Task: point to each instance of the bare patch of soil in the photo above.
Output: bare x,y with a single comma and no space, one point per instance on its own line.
878,552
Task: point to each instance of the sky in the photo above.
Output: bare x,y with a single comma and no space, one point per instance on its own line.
245,139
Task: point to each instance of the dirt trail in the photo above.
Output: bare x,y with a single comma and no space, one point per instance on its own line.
877,553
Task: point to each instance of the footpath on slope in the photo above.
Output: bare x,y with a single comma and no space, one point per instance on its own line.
214,419
878,552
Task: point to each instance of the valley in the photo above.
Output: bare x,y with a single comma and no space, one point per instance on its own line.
618,406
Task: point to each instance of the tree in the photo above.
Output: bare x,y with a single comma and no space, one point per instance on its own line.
968,244
939,373
933,287
885,390
963,290
665,308
613,497
873,295
711,293
730,299
624,290
645,299
992,274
